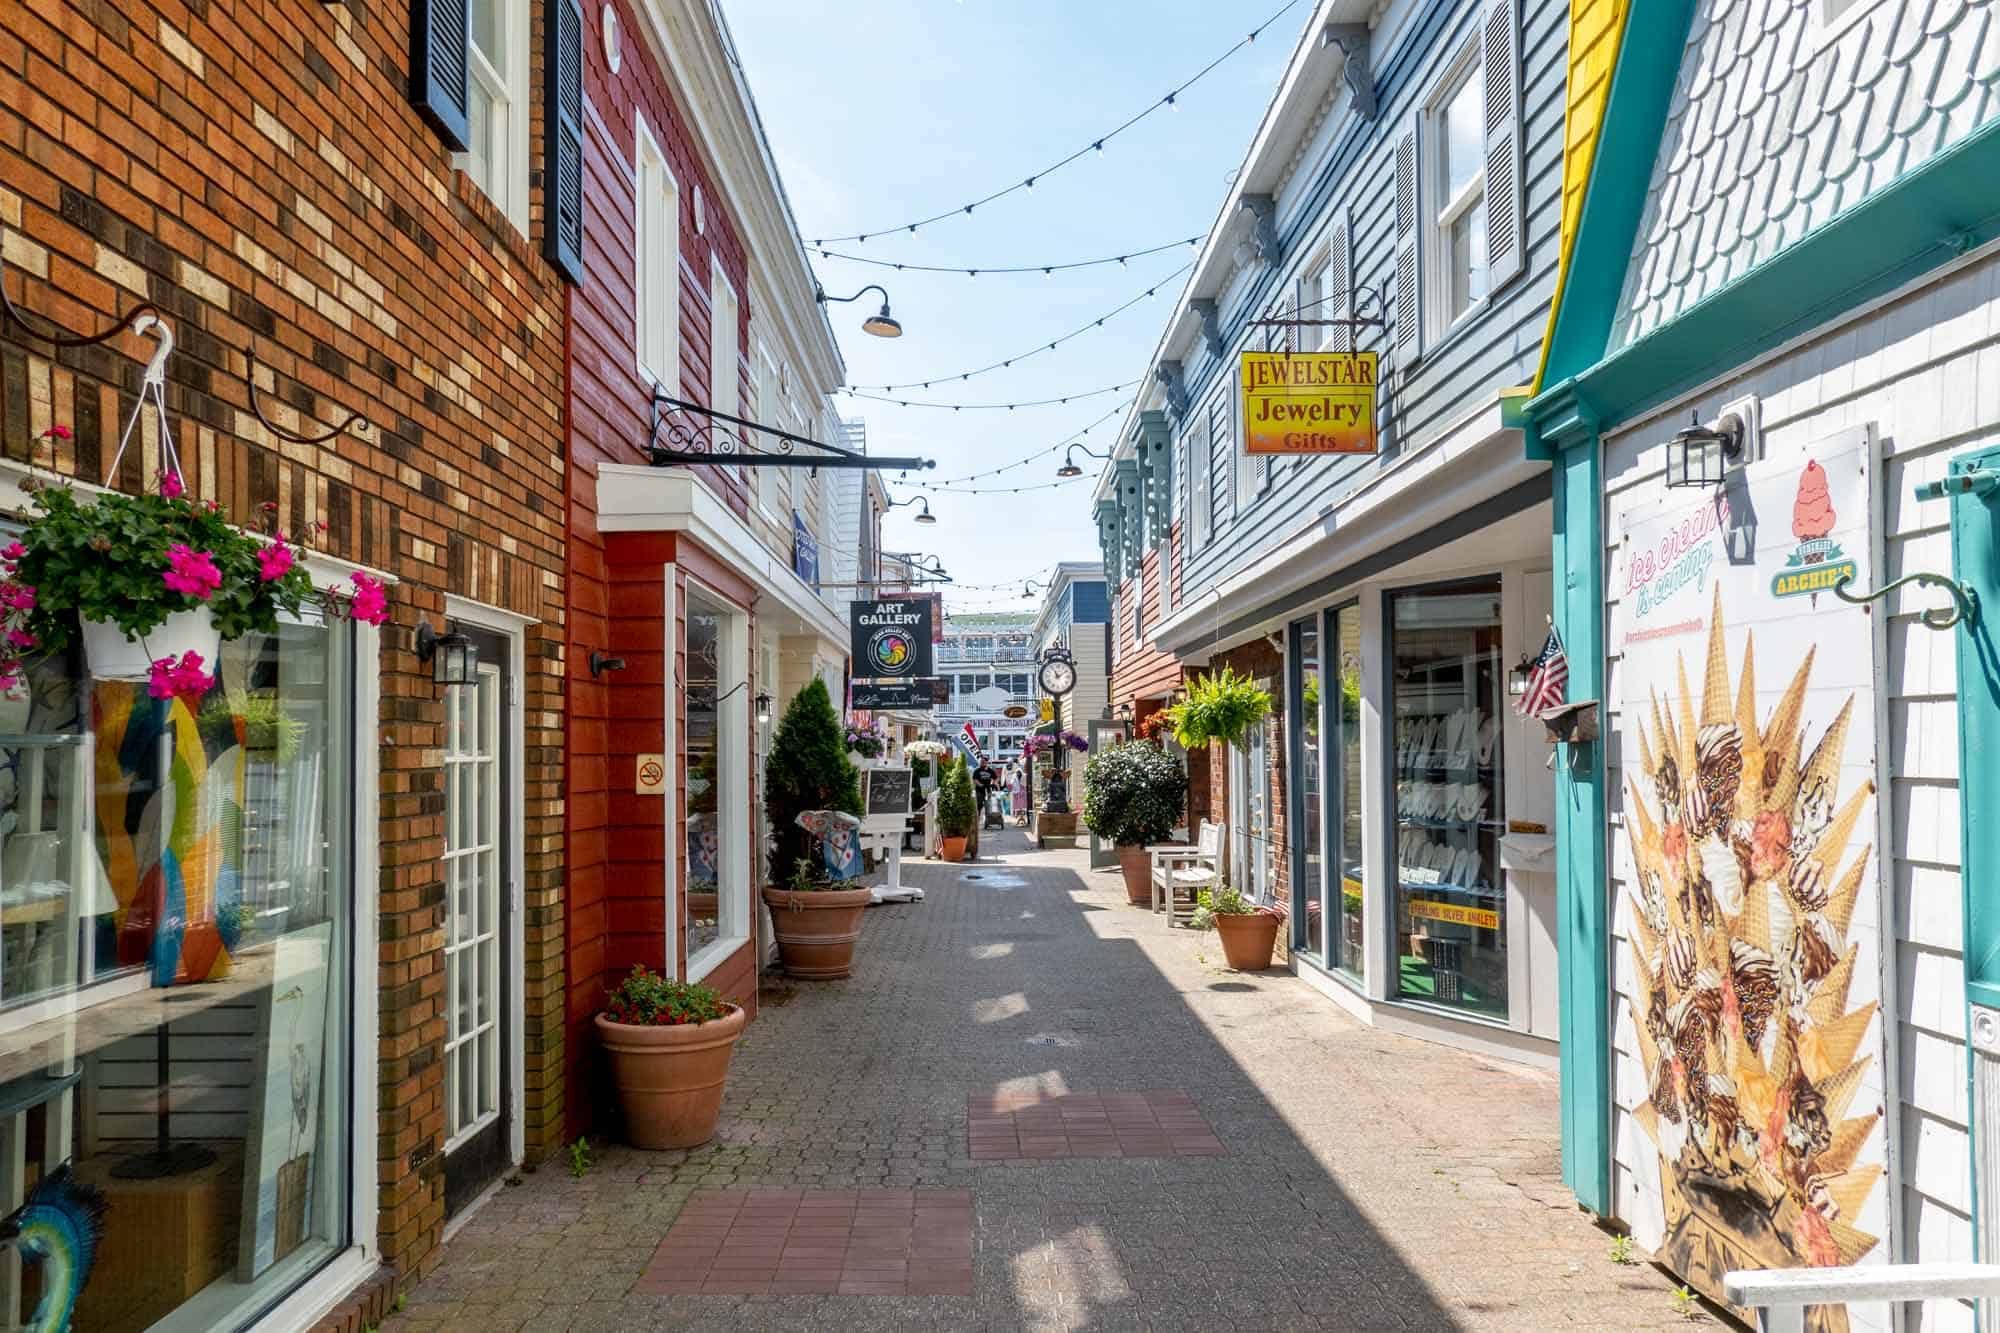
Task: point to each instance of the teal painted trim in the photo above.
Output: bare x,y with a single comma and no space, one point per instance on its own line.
1628,143
1975,562
1583,916
1918,222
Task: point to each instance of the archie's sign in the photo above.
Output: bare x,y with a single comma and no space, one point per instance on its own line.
1309,402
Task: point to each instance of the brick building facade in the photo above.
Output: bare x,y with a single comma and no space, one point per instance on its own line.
258,174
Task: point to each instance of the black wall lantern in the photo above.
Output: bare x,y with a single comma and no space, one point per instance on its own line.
1699,455
763,709
453,658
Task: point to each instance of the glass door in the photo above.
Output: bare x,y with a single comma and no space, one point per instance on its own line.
477,921
1447,689
1306,706
1345,790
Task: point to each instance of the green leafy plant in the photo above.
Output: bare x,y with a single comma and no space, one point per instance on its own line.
1686,1304
1219,706
809,876
580,1160
808,770
1133,794
955,805
647,999
258,719
1309,703
1225,901
1623,1252
920,769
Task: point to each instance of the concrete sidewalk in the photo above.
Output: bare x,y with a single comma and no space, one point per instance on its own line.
1024,1056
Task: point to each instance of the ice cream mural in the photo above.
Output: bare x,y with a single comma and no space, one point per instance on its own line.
1752,908
1816,564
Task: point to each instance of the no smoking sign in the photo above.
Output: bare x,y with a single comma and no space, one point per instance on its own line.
652,776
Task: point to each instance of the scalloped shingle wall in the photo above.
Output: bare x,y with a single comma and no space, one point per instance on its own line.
1777,126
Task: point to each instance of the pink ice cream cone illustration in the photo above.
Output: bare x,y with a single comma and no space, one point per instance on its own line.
1812,515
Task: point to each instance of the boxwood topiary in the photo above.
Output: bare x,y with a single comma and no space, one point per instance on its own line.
1133,793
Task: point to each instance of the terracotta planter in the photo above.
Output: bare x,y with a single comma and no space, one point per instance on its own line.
951,849
670,1078
1137,864
1247,939
703,906
816,931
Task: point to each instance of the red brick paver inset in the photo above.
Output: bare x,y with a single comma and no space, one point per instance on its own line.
1033,1126
755,1242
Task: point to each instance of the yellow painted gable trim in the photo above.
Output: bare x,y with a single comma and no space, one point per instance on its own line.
1596,28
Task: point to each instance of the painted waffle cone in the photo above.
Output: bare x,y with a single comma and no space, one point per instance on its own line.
1834,1046
1715,693
1824,766
1852,1242
1829,1000
1850,1189
1849,1136
1840,903
1840,1089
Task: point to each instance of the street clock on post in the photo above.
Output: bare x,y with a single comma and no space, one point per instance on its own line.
1058,675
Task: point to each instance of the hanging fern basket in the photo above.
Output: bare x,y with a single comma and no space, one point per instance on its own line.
1219,706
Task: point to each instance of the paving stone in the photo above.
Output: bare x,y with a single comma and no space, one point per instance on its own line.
1306,1172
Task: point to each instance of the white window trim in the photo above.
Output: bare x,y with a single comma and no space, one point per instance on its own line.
718,280
732,751
1433,247
648,156
510,90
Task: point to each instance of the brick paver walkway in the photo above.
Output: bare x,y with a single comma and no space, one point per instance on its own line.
1366,1181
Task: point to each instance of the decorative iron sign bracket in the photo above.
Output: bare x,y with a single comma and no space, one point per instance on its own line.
1365,298
693,434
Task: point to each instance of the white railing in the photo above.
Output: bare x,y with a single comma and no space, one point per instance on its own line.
1780,1295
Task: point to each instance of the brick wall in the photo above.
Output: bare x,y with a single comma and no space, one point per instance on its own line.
255,171
616,915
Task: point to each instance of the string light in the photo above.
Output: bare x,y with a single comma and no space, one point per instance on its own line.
993,407
1169,102
1026,459
1049,346
1016,268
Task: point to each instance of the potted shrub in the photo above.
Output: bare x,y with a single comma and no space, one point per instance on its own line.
1133,794
1249,933
1219,706
669,1044
955,810
815,919
152,584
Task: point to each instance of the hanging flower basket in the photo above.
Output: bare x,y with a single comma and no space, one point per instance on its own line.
1221,706
151,584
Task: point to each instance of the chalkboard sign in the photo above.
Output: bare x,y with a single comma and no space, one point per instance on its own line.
888,793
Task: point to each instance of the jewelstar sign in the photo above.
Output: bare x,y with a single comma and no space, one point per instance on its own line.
1309,402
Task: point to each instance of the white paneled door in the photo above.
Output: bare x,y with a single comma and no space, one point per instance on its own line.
477,902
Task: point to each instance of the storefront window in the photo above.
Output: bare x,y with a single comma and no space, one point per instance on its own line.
176,950
716,750
1343,723
1447,689
1308,872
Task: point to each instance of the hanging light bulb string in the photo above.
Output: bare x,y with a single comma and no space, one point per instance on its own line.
1167,103
992,407
1036,350
1044,269
1044,452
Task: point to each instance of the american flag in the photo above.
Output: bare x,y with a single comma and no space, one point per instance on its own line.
1548,678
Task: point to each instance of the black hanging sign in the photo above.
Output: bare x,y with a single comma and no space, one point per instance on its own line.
919,694
891,638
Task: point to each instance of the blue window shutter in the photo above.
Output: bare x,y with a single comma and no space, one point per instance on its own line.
438,73
1407,299
1506,229
562,153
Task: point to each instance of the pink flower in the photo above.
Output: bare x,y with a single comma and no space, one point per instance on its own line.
170,485
20,638
17,596
183,679
58,433
370,603
274,561
13,551
191,572
9,680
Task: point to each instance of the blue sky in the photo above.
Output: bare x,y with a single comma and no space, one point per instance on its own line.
923,105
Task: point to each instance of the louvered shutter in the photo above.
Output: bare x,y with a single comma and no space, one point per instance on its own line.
1200,479
1506,228
1408,293
1340,288
1222,450
562,153
438,71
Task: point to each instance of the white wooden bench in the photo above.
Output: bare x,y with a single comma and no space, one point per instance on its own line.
1780,1295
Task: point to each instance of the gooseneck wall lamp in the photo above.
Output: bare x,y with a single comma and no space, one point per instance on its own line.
923,516
762,701
882,324
1069,467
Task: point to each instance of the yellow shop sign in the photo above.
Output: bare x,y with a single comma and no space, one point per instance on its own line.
1456,915
1309,402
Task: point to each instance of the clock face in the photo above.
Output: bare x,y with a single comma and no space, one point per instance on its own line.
1058,677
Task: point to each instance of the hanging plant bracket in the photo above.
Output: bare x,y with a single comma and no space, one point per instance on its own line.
698,434
1964,608
257,407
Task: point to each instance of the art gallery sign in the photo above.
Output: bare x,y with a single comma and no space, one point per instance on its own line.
1309,402
890,638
